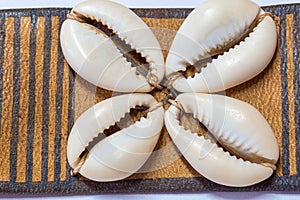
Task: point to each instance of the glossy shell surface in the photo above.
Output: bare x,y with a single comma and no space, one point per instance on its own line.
237,36
233,123
123,153
95,57
207,31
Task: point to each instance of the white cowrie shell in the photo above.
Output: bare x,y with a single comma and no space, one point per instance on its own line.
208,28
123,153
234,123
95,57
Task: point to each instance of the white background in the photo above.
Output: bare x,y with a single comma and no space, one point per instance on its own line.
7,4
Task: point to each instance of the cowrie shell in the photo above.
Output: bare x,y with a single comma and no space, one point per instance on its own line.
209,30
211,27
237,126
121,154
95,57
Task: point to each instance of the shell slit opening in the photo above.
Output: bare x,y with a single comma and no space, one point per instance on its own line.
132,56
134,115
189,122
192,69
251,157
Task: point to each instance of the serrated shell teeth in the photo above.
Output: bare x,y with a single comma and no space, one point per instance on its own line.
130,146
207,31
219,32
98,62
248,133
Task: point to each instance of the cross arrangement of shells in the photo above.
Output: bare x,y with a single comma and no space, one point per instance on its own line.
222,44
